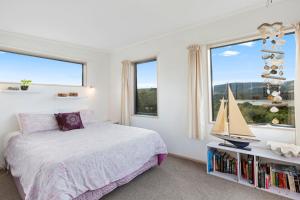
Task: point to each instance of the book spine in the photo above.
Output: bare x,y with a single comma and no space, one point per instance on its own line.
291,182
296,183
221,163
250,171
273,178
259,179
227,165
280,179
267,182
287,181
235,167
276,179
214,164
263,185
209,160
256,174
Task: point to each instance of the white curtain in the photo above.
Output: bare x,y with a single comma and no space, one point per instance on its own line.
194,92
127,92
297,85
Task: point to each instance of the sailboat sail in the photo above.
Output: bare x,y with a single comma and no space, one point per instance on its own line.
221,126
231,126
237,124
226,132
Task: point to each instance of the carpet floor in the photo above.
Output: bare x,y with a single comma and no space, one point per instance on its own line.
175,179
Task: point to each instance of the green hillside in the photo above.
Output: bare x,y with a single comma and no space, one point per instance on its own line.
146,101
256,91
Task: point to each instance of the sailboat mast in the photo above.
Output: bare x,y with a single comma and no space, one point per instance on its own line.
228,123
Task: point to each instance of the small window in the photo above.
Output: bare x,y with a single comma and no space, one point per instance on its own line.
15,67
241,66
146,87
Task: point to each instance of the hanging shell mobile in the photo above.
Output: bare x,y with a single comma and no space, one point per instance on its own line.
273,57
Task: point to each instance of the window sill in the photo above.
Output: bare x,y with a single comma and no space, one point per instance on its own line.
266,127
44,84
273,127
145,116
29,91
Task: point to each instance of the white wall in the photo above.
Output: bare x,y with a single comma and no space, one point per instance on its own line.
172,76
45,101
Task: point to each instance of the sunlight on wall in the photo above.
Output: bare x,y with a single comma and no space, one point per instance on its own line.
91,90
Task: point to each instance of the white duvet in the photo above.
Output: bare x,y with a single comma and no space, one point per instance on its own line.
62,165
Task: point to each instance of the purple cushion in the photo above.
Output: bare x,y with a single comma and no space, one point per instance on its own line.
69,121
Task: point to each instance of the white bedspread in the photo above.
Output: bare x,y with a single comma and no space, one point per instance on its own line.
62,165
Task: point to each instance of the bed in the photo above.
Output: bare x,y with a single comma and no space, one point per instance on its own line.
80,164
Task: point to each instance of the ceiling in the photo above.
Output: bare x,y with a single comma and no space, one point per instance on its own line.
111,24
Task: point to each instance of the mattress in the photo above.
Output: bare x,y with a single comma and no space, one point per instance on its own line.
99,193
64,165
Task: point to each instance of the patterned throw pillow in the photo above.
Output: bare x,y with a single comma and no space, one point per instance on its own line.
69,121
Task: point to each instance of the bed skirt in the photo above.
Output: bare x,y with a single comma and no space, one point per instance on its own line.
99,193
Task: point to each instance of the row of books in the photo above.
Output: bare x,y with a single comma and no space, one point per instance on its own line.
247,169
267,174
278,175
222,162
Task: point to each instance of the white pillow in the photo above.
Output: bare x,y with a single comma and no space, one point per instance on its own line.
87,116
32,122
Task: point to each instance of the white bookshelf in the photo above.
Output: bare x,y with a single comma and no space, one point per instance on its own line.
255,152
229,177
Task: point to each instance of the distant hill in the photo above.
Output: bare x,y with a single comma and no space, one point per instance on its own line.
255,113
146,101
254,90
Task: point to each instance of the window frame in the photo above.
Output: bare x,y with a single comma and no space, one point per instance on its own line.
209,74
43,56
135,113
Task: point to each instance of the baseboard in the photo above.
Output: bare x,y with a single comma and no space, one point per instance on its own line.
186,158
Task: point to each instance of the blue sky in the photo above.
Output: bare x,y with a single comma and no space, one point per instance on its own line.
147,75
243,63
15,67
234,63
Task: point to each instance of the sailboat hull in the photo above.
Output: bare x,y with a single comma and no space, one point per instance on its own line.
240,143
234,146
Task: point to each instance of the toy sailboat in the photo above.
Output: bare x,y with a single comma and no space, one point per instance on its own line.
231,126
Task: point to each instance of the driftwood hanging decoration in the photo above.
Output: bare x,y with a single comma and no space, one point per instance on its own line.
273,57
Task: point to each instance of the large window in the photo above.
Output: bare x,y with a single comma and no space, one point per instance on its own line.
241,66
146,87
15,67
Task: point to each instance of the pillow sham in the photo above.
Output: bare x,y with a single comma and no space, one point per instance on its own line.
69,121
87,117
34,122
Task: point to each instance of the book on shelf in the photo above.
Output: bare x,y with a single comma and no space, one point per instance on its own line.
291,182
210,163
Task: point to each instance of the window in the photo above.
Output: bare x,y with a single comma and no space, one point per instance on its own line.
146,87
14,67
241,66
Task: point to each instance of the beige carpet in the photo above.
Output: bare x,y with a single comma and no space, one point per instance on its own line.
176,179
